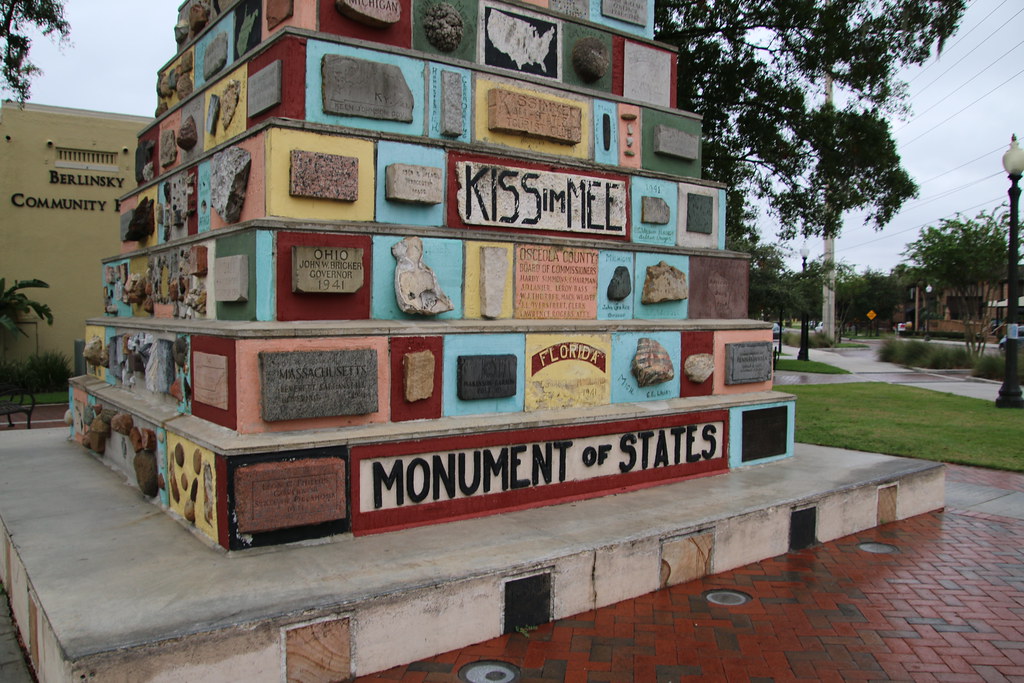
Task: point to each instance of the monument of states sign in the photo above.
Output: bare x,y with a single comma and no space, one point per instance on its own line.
391,263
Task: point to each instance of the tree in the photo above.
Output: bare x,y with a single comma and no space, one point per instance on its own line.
756,71
967,258
858,293
14,304
15,17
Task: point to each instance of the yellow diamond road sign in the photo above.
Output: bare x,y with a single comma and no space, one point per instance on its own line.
872,315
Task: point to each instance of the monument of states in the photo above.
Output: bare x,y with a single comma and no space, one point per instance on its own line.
395,263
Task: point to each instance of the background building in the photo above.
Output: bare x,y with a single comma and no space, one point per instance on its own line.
61,172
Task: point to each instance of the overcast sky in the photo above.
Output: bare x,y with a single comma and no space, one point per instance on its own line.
964,105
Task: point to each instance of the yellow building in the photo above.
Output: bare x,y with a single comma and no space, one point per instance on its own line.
61,172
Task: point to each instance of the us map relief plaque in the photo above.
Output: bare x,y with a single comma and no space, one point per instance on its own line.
307,384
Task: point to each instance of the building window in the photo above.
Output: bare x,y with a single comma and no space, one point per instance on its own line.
86,160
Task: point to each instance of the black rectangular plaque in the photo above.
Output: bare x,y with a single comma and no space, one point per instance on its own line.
699,213
304,384
765,433
802,528
748,362
488,376
527,602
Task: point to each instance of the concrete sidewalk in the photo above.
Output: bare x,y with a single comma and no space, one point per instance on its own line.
864,367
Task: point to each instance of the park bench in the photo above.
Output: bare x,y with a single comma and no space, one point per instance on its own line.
16,400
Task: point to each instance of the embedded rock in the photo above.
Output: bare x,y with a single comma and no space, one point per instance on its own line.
144,463
188,134
417,289
229,180
141,223
590,59
122,423
95,353
229,102
277,11
620,285
651,364
216,55
198,16
443,26
183,87
664,283
699,367
143,156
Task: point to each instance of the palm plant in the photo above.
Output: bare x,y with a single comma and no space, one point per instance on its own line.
14,303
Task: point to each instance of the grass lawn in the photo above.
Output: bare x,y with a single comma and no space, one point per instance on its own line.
918,423
794,365
852,345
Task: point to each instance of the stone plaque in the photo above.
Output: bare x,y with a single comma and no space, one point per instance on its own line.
414,184
279,495
307,384
451,104
490,376
278,11
700,210
654,210
748,362
216,55
556,282
168,147
493,280
765,433
213,115
231,279
264,89
210,379
418,375
672,142
514,112
327,270
377,13
718,287
574,8
324,176
530,44
647,74
510,197
630,11
359,87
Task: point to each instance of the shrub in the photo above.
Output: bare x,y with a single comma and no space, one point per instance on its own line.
48,371
920,354
993,366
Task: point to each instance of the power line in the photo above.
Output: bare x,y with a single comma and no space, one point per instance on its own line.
963,85
966,163
958,41
952,116
921,225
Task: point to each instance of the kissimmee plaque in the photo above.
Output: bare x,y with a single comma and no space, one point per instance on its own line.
306,384
517,197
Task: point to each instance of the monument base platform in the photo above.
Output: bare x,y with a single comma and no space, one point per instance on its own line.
105,586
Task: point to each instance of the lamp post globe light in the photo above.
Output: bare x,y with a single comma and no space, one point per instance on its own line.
804,252
927,313
1009,393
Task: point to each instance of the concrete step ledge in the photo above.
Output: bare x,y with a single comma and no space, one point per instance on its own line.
103,585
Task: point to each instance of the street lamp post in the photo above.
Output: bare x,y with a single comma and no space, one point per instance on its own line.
803,318
927,313
1009,393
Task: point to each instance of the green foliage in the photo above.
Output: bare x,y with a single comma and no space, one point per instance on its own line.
967,258
14,303
920,354
756,71
16,16
992,366
908,421
44,372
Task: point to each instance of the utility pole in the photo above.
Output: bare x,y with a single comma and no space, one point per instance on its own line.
828,290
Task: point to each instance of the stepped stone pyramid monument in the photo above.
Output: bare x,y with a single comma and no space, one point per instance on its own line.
393,263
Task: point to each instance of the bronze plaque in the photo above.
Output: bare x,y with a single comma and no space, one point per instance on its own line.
718,287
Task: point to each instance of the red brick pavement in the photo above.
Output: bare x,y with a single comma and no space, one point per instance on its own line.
43,417
949,606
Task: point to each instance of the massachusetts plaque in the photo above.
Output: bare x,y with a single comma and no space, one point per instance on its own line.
747,362
304,384
488,376
278,495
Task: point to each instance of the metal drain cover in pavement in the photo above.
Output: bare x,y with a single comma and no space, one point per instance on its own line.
729,598
489,672
878,548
